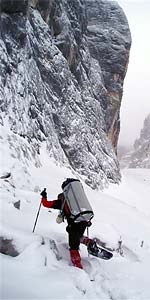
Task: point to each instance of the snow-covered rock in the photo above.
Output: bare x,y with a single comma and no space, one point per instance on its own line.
62,69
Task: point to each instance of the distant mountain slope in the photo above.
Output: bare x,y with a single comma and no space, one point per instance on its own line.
62,66
139,157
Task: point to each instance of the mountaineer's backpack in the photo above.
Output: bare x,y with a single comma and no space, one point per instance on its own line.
79,206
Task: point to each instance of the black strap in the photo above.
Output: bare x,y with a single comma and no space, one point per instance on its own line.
84,213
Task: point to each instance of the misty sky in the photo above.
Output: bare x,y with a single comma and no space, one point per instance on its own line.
136,97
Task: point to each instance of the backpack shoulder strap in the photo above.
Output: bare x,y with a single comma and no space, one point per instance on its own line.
62,198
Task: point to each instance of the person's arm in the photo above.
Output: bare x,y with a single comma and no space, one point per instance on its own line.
56,204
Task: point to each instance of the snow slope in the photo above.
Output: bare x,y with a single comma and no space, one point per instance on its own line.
42,268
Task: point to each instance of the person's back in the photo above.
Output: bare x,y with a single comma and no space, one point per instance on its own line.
76,199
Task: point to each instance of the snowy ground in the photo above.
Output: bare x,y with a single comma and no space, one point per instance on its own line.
42,268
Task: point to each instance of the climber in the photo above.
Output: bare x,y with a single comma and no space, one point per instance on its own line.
75,229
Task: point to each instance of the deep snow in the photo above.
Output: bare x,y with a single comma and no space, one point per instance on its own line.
42,270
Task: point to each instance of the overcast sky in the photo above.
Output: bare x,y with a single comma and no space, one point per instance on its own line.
136,97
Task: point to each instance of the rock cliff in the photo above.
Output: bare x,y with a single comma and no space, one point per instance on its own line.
62,65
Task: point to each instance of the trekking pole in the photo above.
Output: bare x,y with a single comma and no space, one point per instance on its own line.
36,217
88,232
38,213
88,237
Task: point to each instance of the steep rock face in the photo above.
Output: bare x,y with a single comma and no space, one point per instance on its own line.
14,6
109,43
140,156
55,88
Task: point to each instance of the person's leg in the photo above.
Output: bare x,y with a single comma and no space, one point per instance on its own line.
74,242
84,239
74,238
76,258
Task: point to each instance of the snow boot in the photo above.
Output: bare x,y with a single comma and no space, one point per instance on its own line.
96,250
76,258
92,247
99,251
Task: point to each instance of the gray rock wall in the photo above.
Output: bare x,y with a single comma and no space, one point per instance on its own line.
62,69
14,6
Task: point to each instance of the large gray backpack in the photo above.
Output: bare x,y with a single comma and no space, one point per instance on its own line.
79,206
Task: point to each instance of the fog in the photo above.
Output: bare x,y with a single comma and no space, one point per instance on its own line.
136,101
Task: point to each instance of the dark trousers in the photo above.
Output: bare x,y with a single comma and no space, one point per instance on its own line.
75,232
